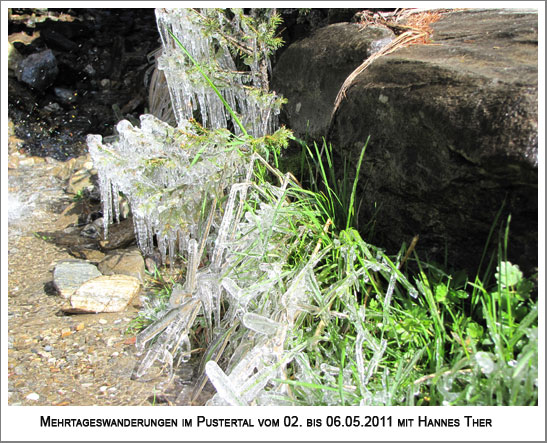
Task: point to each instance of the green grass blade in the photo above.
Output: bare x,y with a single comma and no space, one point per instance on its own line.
351,210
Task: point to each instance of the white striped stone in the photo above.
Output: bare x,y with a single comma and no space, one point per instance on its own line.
110,293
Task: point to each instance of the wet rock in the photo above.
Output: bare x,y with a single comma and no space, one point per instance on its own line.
310,72
104,294
64,170
29,161
91,255
69,216
93,230
120,235
13,161
69,275
14,58
126,262
53,107
65,96
80,181
38,70
56,40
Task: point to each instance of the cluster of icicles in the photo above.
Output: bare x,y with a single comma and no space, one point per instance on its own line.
248,296
190,92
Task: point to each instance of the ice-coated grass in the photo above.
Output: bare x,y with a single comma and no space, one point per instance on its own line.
295,307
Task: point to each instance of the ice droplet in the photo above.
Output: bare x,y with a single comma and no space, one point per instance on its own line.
485,362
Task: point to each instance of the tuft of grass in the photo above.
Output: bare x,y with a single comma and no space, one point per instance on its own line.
335,194
336,320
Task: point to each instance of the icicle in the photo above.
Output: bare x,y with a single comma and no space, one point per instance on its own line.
223,385
260,324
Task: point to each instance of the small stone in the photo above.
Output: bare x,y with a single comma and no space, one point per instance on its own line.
65,95
33,396
66,332
120,235
69,275
126,262
102,321
48,348
79,181
29,161
38,70
80,326
103,388
70,215
94,256
64,170
105,294
13,161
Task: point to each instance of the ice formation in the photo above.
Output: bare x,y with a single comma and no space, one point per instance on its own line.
257,108
199,196
166,174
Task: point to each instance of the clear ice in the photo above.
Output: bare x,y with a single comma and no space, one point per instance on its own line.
237,277
189,92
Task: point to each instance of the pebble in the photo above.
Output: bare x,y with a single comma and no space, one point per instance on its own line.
103,388
80,326
104,294
69,275
33,396
102,321
48,348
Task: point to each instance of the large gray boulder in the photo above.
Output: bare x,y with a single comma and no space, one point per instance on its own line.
454,136
311,71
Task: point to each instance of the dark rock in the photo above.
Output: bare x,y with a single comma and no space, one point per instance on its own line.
454,137
50,131
310,72
91,255
69,29
57,40
38,70
120,235
93,230
65,96
20,97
